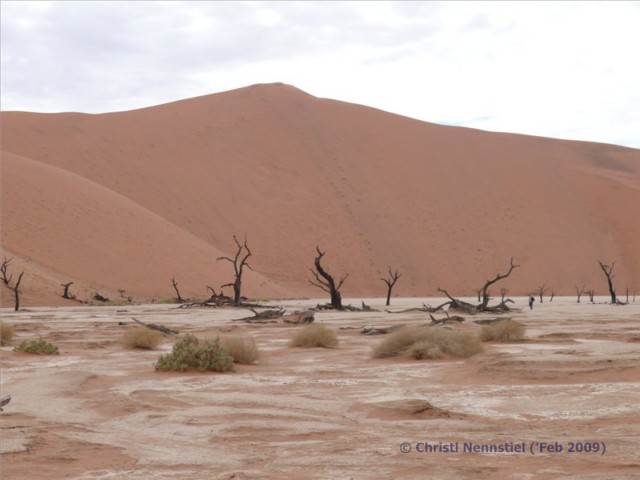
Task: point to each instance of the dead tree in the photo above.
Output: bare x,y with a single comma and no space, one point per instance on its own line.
485,288
179,299
503,293
591,294
65,294
324,281
471,309
16,292
553,294
239,262
580,292
3,269
608,272
541,290
391,281
479,294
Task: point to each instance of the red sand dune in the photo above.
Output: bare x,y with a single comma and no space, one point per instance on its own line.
127,200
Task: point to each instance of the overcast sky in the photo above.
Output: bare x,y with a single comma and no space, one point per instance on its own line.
556,69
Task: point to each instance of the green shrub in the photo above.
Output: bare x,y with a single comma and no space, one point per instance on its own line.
141,337
428,342
38,347
203,355
315,335
243,350
6,334
506,330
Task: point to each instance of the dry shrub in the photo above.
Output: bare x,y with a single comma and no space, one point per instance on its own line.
243,349
201,354
315,335
141,337
428,342
6,334
506,330
425,350
37,347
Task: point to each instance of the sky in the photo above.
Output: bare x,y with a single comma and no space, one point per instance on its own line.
556,69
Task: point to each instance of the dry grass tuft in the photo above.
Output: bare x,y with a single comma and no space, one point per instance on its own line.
141,337
315,335
243,349
428,342
6,334
503,331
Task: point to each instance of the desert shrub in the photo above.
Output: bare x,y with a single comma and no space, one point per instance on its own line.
503,331
6,334
38,347
243,349
428,342
141,337
397,343
200,354
315,335
425,350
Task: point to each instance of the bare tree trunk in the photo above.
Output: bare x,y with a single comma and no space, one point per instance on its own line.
608,272
391,281
16,292
179,299
627,295
326,282
65,294
503,293
239,262
591,294
541,291
579,292
485,288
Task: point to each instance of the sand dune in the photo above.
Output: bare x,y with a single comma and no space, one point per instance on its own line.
125,200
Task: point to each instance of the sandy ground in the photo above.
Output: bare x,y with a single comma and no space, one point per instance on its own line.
99,411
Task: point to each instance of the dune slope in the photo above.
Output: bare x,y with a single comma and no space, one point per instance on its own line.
447,206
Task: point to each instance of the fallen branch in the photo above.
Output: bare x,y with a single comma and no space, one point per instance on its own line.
448,319
380,330
489,321
260,317
4,401
424,308
154,326
501,307
297,318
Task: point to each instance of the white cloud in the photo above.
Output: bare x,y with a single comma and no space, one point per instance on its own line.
558,69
